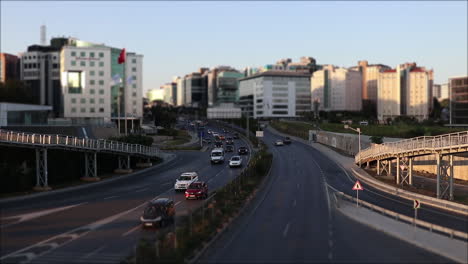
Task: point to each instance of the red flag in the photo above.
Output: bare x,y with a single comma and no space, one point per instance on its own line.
122,57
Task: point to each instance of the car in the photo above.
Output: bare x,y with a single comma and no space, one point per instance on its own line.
217,156
184,180
287,140
279,142
221,137
158,212
242,151
235,161
229,142
197,190
214,134
218,144
229,148
209,131
236,136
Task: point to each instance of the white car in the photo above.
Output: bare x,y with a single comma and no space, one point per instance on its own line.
217,155
184,180
279,143
209,131
235,161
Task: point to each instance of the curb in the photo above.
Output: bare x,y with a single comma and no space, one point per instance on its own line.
170,158
402,237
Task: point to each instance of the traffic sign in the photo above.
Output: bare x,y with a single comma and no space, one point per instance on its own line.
416,204
357,186
259,133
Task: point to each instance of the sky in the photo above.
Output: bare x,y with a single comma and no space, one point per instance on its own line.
178,37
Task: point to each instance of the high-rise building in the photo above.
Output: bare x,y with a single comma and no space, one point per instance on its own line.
275,94
444,91
436,91
223,84
155,94
405,91
337,89
370,75
170,93
9,67
180,91
459,100
195,87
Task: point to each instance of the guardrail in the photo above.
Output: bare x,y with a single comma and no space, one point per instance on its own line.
431,227
23,138
431,143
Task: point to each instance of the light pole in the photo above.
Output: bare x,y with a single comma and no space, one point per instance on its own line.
359,131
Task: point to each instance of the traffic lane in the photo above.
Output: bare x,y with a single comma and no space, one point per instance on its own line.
284,224
354,241
344,231
337,178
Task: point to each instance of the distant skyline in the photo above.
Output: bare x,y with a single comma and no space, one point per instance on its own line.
177,38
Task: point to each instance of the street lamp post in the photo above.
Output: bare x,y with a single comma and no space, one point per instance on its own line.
359,138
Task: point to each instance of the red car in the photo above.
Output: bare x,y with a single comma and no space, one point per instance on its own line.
197,190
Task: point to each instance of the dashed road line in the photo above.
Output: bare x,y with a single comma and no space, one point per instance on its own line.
286,229
110,197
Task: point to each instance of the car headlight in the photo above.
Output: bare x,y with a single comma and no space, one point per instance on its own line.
199,192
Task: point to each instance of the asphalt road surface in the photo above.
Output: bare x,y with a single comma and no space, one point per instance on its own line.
291,220
100,224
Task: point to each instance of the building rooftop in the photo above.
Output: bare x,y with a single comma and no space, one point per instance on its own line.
278,74
388,71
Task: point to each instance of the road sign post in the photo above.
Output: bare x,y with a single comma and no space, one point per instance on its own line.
357,187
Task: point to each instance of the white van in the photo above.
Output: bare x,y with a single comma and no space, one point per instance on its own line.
217,155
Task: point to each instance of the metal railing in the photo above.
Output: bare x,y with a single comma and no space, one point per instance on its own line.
71,142
429,143
410,220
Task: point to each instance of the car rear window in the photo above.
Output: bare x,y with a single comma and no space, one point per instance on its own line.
185,178
195,186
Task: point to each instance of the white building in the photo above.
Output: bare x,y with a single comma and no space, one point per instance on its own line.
275,94
170,93
405,91
444,91
155,94
337,89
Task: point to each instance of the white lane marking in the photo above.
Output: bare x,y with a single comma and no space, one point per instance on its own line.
177,203
29,216
286,229
94,252
298,186
131,231
141,190
294,203
110,197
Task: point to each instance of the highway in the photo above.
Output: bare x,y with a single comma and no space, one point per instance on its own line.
99,224
292,219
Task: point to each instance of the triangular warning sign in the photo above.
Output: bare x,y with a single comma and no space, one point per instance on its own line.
357,186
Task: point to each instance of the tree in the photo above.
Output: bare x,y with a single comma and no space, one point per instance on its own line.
436,110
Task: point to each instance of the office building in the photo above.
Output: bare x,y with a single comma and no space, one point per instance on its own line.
337,89
196,90
170,93
223,84
405,91
459,100
275,94
180,91
444,91
9,67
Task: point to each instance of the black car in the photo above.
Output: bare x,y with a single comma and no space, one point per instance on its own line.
242,151
229,148
218,144
236,136
229,142
287,140
158,212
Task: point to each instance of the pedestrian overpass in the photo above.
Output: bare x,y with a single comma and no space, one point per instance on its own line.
90,147
404,151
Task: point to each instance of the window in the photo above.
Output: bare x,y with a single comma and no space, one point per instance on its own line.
134,69
83,100
73,54
92,63
101,82
101,91
101,73
73,100
101,110
91,73
134,77
82,63
134,94
91,91
133,60
92,82
83,110
134,86
280,112
91,54
83,54
134,102
73,110
101,64
74,82
101,54
91,110
73,63
54,66
101,100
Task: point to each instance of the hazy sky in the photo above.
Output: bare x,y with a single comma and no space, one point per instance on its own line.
177,38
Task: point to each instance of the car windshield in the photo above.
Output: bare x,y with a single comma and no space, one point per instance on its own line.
185,178
216,154
195,186
235,158
152,211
